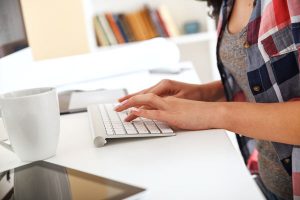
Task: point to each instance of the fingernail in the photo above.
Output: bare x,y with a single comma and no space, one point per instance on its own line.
121,104
120,100
126,119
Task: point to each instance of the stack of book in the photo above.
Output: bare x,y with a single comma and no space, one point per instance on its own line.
143,24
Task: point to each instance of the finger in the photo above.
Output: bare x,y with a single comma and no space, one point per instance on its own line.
163,88
149,100
145,91
179,95
130,117
159,90
149,114
131,95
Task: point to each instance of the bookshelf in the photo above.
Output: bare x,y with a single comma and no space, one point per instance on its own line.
180,10
196,37
198,48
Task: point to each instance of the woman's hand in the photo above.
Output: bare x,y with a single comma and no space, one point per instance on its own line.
206,92
171,88
179,113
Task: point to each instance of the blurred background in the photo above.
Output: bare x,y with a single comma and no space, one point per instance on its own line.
60,28
12,31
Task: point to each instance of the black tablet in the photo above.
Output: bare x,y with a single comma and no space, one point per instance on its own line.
46,181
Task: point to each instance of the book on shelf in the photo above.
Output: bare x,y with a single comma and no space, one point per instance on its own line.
125,25
161,24
115,29
135,26
146,14
142,24
100,35
120,26
107,30
168,21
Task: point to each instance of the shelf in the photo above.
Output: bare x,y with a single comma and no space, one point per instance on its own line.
179,40
197,37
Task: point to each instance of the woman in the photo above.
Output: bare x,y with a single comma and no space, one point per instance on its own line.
258,56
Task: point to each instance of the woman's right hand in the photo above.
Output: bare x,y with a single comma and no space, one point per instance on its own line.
171,88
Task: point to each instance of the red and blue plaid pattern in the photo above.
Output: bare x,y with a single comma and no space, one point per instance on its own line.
273,63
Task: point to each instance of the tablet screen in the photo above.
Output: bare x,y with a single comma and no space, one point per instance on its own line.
43,180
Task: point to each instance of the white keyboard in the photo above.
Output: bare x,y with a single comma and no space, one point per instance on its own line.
107,123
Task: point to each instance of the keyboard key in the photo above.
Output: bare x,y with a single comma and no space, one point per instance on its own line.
131,132
110,132
117,126
140,127
152,127
164,128
145,119
122,115
120,131
130,129
107,126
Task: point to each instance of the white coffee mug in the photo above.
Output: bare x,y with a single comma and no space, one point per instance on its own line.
32,121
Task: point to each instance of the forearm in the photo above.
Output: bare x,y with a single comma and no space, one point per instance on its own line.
213,91
278,122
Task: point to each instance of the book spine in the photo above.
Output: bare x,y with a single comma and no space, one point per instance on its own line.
141,24
115,28
133,26
149,22
158,27
127,28
100,36
162,24
168,20
107,30
122,29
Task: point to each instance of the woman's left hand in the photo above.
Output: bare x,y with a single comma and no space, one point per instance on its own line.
179,113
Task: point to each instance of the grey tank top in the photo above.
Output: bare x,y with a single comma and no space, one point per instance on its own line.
233,57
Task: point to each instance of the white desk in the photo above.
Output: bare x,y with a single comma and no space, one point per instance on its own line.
191,165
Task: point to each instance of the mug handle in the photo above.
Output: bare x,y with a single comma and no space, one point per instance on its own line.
3,143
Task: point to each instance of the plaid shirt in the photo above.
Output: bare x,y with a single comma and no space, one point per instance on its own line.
273,63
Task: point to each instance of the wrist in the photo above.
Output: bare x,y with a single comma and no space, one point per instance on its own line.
220,115
212,91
